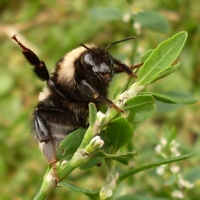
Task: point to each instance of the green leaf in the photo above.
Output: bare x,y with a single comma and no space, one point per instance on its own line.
161,58
70,144
119,132
167,72
139,117
152,21
175,98
156,164
141,107
140,103
122,158
98,156
92,114
92,194
146,55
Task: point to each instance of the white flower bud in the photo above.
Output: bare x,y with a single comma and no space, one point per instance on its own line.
95,143
105,193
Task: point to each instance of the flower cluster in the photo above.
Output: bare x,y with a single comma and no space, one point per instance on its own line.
172,172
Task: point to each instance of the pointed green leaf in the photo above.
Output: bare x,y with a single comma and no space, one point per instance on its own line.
146,55
141,107
175,97
139,117
70,144
119,132
140,103
167,72
156,164
161,58
122,158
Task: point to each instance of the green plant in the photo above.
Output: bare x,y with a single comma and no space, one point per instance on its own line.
108,132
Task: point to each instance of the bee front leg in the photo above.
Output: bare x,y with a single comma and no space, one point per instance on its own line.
123,67
39,66
46,141
119,69
93,94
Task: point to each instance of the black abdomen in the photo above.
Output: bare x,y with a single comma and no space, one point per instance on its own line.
54,118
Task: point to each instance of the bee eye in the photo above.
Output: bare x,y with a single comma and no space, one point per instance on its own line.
88,60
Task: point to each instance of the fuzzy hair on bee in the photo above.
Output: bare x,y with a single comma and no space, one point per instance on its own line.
80,77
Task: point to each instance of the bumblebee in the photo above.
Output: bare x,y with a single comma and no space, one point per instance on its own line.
81,76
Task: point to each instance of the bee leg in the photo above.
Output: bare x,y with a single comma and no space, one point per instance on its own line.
39,66
93,94
119,69
52,86
46,140
123,67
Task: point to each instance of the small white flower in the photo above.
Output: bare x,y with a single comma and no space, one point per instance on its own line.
158,148
177,194
161,170
186,184
174,144
175,169
175,151
126,17
137,25
163,142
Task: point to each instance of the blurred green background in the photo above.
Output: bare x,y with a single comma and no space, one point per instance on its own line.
52,28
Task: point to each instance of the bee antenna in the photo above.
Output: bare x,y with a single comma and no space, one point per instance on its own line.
123,40
87,48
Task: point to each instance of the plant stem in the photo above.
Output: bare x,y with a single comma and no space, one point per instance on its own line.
46,189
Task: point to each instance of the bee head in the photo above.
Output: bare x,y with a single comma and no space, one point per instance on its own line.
98,62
